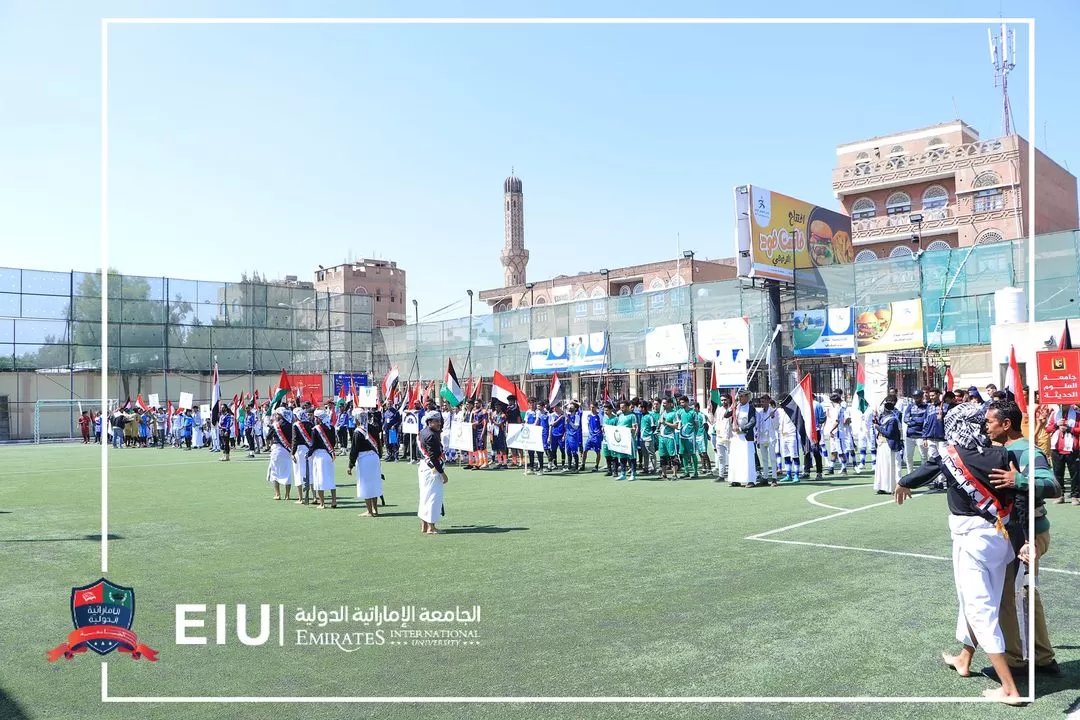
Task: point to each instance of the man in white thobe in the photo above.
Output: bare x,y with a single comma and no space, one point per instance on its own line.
741,454
431,474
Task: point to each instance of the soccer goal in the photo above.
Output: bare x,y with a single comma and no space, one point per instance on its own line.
58,420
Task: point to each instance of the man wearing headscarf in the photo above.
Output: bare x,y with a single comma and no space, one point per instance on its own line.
981,548
432,475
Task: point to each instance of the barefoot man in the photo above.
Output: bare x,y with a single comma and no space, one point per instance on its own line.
431,473
978,514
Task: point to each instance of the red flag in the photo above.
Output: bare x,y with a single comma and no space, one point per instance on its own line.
355,395
478,392
168,416
1014,382
256,397
468,388
236,416
139,402
342,394
948,379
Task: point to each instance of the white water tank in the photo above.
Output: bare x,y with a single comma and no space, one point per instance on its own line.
1010,306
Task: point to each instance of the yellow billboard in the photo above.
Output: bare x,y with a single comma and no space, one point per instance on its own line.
891,326
777,234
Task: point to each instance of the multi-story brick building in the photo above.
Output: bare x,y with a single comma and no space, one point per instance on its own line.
943,186
382,280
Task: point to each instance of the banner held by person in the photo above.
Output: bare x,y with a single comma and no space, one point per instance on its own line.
524,437
619,439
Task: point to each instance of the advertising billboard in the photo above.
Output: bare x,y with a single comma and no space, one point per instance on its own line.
776,235
823,332
666,345
891,326
568,353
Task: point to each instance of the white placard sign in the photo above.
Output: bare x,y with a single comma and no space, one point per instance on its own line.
410,425
204,412
187,401
367,397
619,439
154,400
665,345
461,437
525,437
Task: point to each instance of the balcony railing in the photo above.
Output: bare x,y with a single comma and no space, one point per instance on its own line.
934,217
933,161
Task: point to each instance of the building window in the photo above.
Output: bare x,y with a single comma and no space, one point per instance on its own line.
360,290
985,180
935,149
898,202
599,304
935,197
990,236
676,281
862,209
625,291
897,157
378,296
656,284
897,150
392,299
639,288
900,251
938,245
581,304
989,200
866,256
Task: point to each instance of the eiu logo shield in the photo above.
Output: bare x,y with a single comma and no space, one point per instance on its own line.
103,603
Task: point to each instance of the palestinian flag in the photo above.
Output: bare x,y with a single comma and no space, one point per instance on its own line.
860,385
451,389
215,399
127,404
503,388
803,398
283,390
714,388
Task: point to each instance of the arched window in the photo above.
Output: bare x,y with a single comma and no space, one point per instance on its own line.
934,142
599,305
541,301
900,251
676,281
897,157
935,197
656,284
898,202
360,290
639,288
625,291
990,198
866,256
989,236
938,245
897,150
863,208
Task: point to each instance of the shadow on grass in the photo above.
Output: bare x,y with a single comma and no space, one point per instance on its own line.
11,710
92,538
1068,680
482,529
396,514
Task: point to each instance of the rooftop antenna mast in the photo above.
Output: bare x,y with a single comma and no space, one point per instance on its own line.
1003,58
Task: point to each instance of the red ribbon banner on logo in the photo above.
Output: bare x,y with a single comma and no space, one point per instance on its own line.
77,639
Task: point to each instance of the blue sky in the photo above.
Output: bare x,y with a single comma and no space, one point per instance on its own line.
278,148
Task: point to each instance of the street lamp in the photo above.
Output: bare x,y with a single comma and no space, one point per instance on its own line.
916,237
529,287
689,255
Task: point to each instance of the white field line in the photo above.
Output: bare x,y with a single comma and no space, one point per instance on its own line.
811,498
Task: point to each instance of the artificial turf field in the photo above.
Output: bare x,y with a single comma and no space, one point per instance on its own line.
588,587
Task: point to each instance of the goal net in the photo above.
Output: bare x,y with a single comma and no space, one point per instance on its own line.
58,420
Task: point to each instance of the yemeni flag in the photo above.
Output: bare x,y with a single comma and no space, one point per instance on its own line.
554,390
1066,339
860,385
948,379
284,388
478,393
255,399
1013,382
503,388
389,382
236,416
802,396
139,402
215,399
168,417
451,389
